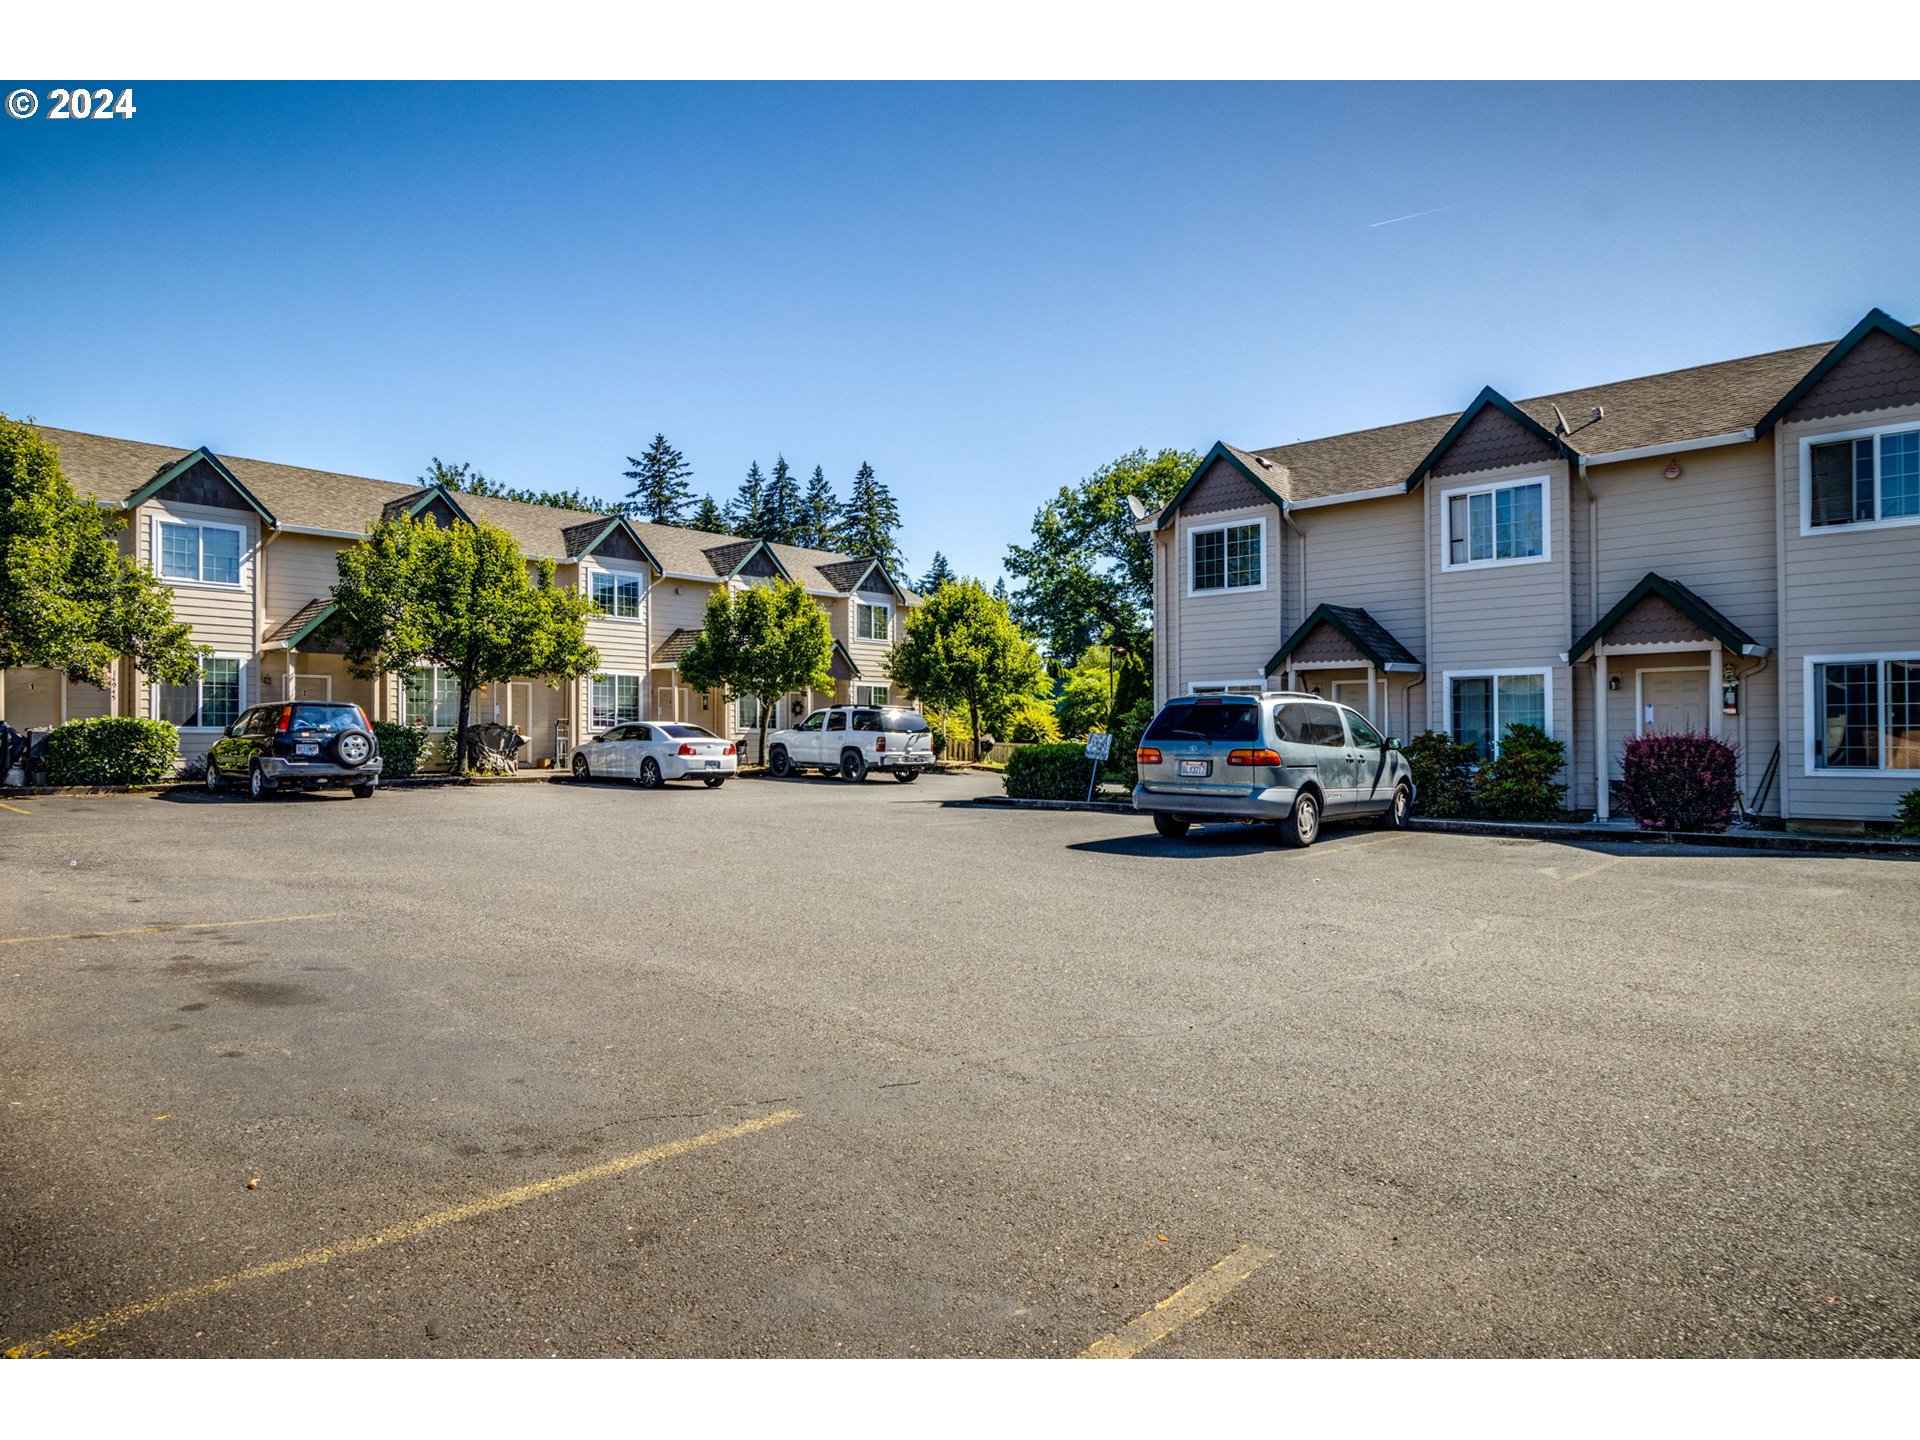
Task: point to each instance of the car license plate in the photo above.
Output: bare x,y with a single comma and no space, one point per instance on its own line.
306,749
1195,767
713,764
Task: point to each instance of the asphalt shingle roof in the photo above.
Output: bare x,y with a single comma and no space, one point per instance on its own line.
669,650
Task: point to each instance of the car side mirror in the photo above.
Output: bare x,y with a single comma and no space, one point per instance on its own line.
1392,742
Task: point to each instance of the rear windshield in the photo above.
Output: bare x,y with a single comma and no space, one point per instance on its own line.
688,732
328,719
1207,720
908,720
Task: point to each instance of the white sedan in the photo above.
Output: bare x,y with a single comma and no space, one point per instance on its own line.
655,753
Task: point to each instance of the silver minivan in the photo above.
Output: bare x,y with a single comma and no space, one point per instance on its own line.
1288,759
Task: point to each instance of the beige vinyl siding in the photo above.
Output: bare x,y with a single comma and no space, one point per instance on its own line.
679,605
870,656
1844,591
297,569
625,646
1646,522
33,698
1365,554
222,617
1502,617
1228,634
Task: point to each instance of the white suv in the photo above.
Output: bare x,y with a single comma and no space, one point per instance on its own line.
850,740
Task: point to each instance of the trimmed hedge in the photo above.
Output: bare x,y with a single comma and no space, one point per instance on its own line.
1048,772
400,747
1442,774
112,750
1518,783
1680,782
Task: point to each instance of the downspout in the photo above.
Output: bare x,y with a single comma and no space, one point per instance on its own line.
1593,604
259,617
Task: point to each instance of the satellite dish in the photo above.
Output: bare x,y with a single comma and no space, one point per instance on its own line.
1135,508
1560,421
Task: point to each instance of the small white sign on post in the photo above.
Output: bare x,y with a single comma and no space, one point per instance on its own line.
1099,745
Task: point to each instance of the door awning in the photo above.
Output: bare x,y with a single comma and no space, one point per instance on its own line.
1659,611
1345,633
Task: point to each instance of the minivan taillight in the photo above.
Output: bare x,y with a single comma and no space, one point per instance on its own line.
1253,757
1146,755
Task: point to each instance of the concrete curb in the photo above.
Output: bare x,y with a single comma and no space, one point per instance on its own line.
1766,841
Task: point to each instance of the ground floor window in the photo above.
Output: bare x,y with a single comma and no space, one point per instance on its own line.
873,694
616,701
1866,714
432,697
749,711
210,703
1485,705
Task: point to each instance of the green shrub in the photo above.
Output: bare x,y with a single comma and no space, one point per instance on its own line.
1906,815
1048,772
400,747
436,751
1127,730
1518,783
1033,724
1680,782
113,750
1442,774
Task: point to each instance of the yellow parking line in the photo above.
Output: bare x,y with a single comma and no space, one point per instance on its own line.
15,808
86,1330
1183,1305
155,929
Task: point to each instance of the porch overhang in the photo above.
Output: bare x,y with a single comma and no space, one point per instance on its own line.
1671,608
1344,635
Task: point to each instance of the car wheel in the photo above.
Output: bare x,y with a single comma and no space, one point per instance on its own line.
906,777
853,765
581,770
780,763
714,782
650,778
1394,817
258,786
1172,827
365,792
213,781
1302,827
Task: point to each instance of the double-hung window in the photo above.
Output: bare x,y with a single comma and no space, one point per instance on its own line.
873,622
873,694
615,701
432,697
1863,479
199,554
1227,557
616,594
1865,712
1496,524
1483,706
210,703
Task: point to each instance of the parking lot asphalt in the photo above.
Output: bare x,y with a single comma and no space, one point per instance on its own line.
806,1068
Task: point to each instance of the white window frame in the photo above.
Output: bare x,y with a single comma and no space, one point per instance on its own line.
1226,687
1493,487
639,700
740,720
434,672
158,518
618,577
870,701
1851,527
1810,713
1237,523
885,607
1546,698
200,696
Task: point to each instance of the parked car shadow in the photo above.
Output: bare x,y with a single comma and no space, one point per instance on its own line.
1203,842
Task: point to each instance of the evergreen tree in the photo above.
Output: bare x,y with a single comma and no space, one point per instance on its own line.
469,481
1000,589
819,512
783,506
660,491
871,517
938,574
747,512
707,516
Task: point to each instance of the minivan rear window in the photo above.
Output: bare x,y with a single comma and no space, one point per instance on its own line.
1206,720
328,719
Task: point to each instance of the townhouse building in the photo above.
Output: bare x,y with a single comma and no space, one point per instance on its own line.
248,549
1732,549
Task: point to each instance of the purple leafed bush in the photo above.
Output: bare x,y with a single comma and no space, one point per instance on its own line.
1680,782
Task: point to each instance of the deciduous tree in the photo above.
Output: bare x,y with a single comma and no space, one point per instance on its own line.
763,641
960,646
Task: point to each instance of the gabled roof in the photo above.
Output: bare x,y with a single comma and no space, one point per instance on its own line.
1488,398
843,575
730,559
1710,620
202,456
1372,639
1249,465
422,499
1875,322
303,622
589,535
847,656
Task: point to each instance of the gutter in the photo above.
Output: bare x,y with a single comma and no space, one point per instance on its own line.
1677,447
1381,492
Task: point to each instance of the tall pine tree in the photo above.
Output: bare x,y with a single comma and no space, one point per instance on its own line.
820,513
660,491
747,512
783,506
871,517
708,516
939,573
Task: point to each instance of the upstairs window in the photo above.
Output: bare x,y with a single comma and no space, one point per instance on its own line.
1228,557
873,622
616,595
197,554
1863,479
872,695
1496,525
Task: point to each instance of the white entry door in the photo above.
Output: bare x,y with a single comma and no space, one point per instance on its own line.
1355,694
1674,701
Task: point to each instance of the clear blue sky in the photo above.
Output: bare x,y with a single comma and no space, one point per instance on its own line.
986,291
